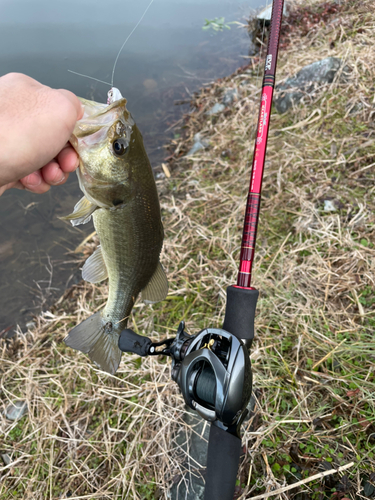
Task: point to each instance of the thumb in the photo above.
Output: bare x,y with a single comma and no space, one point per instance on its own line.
74,100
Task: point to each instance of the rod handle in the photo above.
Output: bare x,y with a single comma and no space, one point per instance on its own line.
223,457
240,312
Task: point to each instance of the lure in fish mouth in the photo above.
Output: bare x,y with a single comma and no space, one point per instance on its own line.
120,195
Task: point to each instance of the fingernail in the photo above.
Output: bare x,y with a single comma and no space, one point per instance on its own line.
60,178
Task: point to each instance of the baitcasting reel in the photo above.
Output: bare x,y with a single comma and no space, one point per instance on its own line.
212,370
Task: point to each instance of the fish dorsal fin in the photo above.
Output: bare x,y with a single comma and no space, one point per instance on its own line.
82,212
157,288
95,269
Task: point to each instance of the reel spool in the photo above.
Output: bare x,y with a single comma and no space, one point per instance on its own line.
212,370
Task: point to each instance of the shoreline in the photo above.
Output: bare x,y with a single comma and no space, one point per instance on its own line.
92,435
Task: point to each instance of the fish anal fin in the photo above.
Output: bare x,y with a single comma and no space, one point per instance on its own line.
82,212
94,269
157,288
91,337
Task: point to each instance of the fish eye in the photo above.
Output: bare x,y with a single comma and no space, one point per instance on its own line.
120,147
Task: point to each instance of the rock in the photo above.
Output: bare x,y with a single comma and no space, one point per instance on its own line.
256,27
197,146
6,458
150,84
192,488
30,325
230,96
329,206
199,143
357,108
253,48
368,489
16,411
196,452
216,108
265,14
6,249
333,150
295,87
323,71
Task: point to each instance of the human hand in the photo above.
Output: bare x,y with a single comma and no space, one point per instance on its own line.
35,125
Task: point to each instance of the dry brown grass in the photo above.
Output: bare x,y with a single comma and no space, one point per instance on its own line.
91,435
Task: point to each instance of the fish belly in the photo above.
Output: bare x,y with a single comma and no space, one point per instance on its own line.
131,250
131,238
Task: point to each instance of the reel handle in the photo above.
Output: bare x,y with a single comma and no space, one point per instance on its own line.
130,341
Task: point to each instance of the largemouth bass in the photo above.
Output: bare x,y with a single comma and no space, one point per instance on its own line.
120,195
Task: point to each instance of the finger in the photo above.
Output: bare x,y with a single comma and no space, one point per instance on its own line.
35,183
45,119
74,100
52,174
68,159
16,185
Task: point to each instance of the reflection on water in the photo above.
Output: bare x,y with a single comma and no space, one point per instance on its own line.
35,264
168,57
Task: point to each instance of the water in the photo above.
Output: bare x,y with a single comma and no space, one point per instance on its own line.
167,58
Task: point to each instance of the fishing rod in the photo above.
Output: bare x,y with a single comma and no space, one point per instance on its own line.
213,368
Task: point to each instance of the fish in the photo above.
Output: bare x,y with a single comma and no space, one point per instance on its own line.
120,195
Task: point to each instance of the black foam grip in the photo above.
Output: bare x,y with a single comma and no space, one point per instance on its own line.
130,341
223,457
240,312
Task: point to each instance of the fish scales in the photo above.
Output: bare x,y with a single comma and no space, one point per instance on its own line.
116,178
131,245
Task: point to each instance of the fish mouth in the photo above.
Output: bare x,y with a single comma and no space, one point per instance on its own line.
93,109
92,139
98,118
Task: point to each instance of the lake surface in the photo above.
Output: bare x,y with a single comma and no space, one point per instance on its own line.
167,58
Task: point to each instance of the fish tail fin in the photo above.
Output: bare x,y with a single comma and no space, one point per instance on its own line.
91,337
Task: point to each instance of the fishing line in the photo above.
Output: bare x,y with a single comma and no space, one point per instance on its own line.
119,52
91,77
262,43
123,45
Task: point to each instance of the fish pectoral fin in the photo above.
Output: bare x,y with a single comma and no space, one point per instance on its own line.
157,288
94,269
90,337
82,212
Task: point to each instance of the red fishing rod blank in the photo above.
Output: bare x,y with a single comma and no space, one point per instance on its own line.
253,199
224,446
